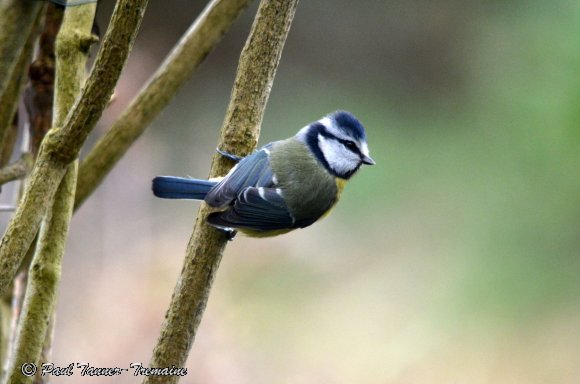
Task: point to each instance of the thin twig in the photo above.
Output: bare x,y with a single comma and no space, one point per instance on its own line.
62,144
239,134
17,170
182,61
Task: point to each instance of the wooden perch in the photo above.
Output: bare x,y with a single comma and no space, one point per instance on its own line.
239,134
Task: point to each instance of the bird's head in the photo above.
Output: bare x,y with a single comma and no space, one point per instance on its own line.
338,141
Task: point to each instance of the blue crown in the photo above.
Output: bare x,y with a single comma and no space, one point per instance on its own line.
349,124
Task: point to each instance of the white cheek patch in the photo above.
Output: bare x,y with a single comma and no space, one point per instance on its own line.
339,158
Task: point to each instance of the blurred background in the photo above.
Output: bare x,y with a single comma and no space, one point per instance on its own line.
455,259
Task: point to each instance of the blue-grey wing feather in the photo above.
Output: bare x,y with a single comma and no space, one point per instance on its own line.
260,209
252,171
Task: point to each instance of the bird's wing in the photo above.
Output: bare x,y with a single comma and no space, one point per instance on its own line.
252,171
260,209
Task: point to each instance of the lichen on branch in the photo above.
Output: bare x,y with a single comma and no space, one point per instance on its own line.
62,144
239,134
44,275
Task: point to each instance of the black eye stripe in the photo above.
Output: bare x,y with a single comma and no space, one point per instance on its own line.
350,145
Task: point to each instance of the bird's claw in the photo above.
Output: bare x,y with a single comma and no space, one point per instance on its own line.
229,232
230,156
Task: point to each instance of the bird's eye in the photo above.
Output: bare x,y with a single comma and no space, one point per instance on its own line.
351,145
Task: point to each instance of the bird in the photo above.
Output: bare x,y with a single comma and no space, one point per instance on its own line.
285,185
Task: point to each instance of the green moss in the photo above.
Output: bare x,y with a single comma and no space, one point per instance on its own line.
239,134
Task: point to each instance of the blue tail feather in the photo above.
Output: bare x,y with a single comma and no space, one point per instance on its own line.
171,187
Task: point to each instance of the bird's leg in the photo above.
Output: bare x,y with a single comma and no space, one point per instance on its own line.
230,156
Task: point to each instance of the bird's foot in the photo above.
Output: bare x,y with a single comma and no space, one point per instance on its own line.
230,156
229,232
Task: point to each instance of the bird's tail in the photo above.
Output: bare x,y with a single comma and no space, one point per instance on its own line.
171,187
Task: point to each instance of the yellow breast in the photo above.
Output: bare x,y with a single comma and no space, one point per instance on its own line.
340,183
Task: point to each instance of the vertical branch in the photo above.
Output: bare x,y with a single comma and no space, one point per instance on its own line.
194,46
17,18
38,100
39,93
62,144
9,141
18,21
44,275
46,353
5,320
13,83
239,134
15,56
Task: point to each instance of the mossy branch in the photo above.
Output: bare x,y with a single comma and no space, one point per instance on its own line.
44,275
19,20
180,64
38,99
16,170
5,321
62,144
10,138
239,134
43,279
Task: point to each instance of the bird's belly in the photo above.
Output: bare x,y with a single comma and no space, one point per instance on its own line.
253,233
340,183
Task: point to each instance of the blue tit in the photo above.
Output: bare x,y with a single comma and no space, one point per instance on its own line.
285,185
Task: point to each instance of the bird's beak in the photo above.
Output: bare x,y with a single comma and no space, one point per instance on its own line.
367,160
